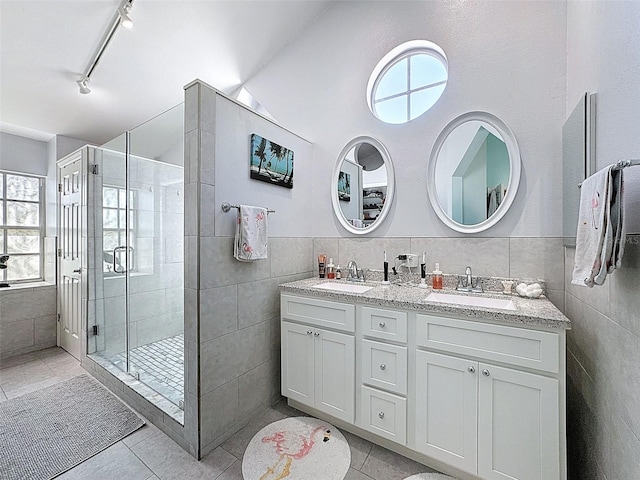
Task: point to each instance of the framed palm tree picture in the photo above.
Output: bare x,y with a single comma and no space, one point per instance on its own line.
344,187
270,162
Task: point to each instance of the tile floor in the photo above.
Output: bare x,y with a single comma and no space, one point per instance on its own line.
161,366
149,454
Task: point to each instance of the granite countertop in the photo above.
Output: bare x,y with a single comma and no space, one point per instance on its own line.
538,312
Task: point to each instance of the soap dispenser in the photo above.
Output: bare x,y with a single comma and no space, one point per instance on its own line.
331,269
436,278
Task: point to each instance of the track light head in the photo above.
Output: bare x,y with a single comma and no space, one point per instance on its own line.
123,11
84,85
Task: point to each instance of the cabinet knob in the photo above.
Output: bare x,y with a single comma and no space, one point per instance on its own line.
381,415
309,332
485,372
317,334
472,369
383,367
382,324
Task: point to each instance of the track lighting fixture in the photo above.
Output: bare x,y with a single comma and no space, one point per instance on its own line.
123,11
121,18
84,85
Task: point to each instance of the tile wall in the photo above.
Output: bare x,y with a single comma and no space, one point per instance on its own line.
496,257
232,309
28,319
603,378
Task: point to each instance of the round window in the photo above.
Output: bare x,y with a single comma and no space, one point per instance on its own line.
407,82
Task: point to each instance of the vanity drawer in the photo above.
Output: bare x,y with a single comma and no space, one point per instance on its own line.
515,346
384,366
384,324
384,414
321,313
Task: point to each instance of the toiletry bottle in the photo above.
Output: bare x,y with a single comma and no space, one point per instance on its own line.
338,273
331,269
436,278
322,261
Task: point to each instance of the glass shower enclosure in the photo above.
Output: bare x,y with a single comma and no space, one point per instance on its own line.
136,247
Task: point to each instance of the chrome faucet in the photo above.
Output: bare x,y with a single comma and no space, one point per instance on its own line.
355,274
468,285
352,271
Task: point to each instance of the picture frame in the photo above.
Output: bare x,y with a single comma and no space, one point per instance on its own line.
270,162
344,186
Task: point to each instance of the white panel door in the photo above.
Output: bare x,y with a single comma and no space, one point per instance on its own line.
335,374
518,425
297,362
446,409
70,235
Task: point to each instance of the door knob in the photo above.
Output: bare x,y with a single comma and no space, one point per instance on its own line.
382,324
317,334
485,372
381,415
383,367
472,369
309,332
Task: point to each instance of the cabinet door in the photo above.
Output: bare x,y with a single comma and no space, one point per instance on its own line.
335,374
446,409
297,362
518,425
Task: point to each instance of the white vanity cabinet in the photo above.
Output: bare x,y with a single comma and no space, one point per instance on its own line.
491,420
481,397
318,366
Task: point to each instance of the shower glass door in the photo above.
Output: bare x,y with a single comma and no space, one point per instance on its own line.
138,246
155,250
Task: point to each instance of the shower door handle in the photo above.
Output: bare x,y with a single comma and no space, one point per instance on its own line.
115,262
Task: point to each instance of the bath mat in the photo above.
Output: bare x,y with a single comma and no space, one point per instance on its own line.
430,476
47,432
296,448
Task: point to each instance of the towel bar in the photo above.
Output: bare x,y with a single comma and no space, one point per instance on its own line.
622,164
226,206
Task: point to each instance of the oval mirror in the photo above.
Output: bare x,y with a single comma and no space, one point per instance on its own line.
474,171
362,185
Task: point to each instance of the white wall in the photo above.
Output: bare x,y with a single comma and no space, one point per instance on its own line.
604,57
507,58
234,126
24,155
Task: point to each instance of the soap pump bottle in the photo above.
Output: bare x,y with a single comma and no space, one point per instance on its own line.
331,269
436,278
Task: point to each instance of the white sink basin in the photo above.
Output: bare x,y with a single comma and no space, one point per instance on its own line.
471,301
343,287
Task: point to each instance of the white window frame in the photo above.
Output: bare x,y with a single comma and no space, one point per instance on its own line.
122,229
4,228
398,54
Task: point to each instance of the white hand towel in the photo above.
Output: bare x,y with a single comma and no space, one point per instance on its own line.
251,240
600,234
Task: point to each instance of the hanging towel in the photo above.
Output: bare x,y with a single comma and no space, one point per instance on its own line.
601,233
251,234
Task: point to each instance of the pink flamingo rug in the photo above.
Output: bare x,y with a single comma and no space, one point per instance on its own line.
297,448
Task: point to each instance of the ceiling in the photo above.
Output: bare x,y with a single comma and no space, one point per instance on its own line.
45,46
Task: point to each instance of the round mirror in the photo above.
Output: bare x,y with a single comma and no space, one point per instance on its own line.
362,185
474,171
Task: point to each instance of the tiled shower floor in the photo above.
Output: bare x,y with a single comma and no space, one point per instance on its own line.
160,365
